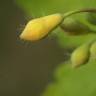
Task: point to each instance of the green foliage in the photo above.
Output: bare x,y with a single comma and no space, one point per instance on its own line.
68,81
73,82
91,17
93,50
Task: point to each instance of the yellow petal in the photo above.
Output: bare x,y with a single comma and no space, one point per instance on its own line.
52,21
38,28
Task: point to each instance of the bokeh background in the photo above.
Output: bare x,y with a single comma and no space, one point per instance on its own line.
25,68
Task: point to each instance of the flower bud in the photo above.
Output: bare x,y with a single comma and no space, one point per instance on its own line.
93,50
74,27
80,55
37,29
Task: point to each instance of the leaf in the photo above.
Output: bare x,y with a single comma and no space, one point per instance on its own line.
73,82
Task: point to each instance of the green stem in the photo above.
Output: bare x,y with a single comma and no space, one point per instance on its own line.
92,10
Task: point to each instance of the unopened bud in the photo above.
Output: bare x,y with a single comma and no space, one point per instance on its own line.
80,55
37,29
74,27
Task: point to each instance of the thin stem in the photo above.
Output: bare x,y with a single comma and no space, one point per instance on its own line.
92,10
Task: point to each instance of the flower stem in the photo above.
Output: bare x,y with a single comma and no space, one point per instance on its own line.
91,10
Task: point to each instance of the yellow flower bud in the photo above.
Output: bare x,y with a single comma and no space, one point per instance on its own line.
93,50
38,28
80,55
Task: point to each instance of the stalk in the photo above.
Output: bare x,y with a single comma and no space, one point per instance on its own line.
91,10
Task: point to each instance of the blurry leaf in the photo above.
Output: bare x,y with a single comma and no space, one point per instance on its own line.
73,82
73,41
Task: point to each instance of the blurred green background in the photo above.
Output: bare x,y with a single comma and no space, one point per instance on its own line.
25,68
